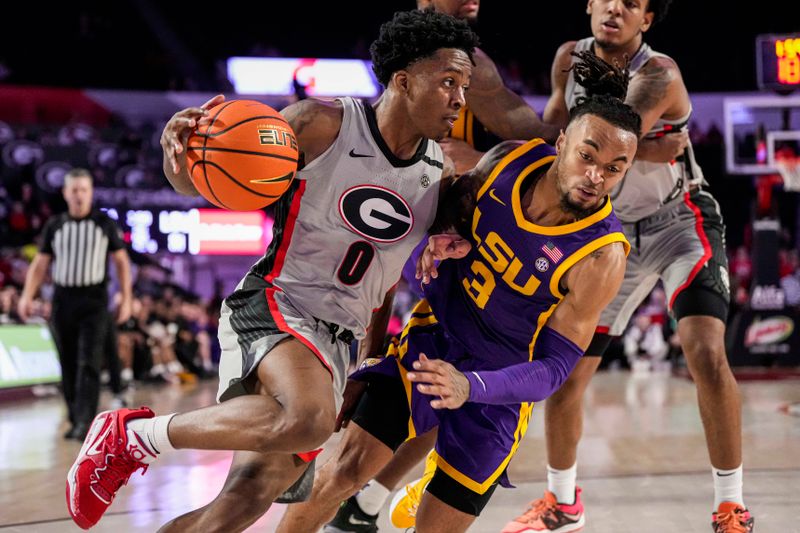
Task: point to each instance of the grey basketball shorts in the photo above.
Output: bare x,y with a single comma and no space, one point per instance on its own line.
254,319
684,247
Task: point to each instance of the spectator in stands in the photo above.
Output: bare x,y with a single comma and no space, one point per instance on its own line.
742,267
790,281
8,305
645,345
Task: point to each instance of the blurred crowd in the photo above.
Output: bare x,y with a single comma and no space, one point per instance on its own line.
741,271
170,337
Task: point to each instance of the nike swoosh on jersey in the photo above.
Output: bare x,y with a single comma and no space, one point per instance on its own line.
354,154
495,198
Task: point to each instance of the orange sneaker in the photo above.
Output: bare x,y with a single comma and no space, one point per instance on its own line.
546,514
732,518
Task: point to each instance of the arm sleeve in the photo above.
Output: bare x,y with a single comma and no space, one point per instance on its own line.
554,358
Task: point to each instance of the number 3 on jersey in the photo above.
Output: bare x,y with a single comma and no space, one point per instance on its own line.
482,286
502,259
356,262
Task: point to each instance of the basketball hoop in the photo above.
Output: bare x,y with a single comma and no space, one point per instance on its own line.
789,168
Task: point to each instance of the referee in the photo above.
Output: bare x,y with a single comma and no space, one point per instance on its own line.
78,244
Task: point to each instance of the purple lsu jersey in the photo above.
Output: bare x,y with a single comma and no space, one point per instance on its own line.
495,301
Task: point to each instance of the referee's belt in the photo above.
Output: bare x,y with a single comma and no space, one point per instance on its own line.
338,332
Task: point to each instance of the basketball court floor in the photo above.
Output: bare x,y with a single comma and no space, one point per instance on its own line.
642,463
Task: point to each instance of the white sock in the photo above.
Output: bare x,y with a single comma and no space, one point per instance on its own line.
153,433
157,370
727,486
562,483
372,497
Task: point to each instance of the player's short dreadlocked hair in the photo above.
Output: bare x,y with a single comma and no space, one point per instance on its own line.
414,35
606,87
599,77
659,9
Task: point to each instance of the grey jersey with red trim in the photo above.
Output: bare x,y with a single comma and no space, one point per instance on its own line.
648,186
357,213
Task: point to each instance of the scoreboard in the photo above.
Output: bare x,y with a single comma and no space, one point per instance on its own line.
778,58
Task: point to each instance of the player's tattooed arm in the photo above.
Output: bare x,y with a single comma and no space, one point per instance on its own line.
316,125
655,91
577,315
439,378
500,109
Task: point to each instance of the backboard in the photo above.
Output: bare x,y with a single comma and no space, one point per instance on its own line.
757,128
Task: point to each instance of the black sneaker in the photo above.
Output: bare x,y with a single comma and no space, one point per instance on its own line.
78,432
351,519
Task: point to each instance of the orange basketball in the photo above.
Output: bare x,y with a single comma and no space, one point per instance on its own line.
245,158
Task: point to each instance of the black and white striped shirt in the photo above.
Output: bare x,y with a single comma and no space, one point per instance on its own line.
80,248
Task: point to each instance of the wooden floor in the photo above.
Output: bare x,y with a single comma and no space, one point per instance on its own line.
642,464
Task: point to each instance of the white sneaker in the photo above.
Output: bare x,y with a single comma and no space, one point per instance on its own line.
118,402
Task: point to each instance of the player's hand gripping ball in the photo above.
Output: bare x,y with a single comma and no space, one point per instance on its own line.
244,158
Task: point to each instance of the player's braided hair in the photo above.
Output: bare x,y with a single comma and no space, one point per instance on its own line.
606,87
600,77
414,35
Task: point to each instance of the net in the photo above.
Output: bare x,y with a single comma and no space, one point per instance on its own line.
789,169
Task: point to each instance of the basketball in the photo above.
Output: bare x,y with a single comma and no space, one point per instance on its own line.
245,158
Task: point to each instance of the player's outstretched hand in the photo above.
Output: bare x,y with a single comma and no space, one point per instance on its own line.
180,126
439,378
442,246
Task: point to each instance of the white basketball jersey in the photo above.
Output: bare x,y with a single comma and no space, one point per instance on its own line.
648,186
356,213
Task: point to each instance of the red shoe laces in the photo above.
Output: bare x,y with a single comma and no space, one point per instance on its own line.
730,522
536,509
119,469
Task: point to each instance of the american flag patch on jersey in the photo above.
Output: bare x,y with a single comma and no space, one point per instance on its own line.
552,251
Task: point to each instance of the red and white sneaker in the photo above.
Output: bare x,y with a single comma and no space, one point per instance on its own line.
546,514
108,457
732,518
